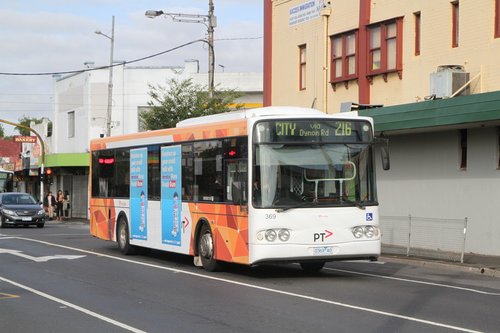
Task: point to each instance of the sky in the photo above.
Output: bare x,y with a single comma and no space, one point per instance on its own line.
46,36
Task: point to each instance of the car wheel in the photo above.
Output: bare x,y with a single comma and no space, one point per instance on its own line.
40,225
123,237
312,267
2,222
206,249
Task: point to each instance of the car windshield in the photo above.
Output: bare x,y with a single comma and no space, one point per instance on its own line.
18,199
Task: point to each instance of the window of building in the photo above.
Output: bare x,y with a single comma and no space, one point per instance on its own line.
497,18
386,45
454,24
302,69
71,124
463,149
417,33
344,50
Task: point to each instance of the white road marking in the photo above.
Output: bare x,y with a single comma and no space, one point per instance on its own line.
415,281
74,306
276,291
38,259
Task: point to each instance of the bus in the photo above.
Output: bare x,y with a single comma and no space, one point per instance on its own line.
6,181
267,185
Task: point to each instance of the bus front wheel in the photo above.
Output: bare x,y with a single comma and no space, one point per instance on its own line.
206,249
123,237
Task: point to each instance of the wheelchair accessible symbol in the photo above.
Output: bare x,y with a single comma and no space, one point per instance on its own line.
369,216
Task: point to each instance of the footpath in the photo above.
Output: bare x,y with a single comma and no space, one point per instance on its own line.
473,263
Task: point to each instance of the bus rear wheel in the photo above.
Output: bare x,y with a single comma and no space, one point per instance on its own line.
206,249
123,237
312,267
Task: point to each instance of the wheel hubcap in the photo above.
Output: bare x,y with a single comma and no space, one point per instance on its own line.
123,234
206,245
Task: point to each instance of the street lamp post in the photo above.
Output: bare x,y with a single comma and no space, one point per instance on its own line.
210,22
110,82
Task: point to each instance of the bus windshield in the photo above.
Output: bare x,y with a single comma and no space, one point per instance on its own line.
292,173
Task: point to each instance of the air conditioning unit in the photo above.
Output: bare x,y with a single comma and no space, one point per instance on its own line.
447,80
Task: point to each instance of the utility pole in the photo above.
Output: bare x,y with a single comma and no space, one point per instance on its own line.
211,55
110,81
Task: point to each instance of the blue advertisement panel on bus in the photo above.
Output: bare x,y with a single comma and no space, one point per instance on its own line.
171,195
139,193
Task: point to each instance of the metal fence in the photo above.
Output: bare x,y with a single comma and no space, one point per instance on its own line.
424,237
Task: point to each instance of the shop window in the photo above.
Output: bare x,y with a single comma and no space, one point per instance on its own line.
463,149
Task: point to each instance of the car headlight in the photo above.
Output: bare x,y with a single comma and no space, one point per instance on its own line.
41,212
8,212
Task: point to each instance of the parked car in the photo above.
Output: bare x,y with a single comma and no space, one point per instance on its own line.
20,209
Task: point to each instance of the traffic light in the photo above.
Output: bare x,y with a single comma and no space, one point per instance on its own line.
47,177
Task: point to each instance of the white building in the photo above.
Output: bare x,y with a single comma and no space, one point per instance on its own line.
81,106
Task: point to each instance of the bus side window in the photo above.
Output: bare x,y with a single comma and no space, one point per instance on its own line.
237,174
187,166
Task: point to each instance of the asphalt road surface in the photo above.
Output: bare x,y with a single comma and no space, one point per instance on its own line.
60,279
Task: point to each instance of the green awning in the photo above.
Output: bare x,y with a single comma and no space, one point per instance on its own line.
67,160
462,110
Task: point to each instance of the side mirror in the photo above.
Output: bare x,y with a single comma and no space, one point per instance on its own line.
384,152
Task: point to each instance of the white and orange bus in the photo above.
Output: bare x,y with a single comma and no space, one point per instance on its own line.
268,185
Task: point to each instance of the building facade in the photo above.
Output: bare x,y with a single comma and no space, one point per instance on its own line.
429,72
81,108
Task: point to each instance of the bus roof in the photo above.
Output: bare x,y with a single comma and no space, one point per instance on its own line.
251,113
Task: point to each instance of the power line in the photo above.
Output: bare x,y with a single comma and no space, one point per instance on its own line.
105,67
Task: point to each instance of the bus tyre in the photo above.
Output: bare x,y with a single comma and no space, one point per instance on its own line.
123,237
312,267
206,249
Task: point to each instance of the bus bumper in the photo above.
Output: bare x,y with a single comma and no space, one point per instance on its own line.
282,253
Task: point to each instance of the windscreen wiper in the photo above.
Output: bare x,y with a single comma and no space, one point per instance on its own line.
354,203
300,205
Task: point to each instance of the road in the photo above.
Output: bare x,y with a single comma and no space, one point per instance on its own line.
60,279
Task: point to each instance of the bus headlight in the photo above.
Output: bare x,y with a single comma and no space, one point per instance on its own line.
370,231
358,232
271,235
284,235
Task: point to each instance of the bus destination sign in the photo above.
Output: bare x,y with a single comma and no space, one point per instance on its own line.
314,131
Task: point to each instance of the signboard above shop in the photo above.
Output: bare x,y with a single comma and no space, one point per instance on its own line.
24,139
304,12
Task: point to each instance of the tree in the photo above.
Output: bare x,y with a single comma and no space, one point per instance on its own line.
25,121
2,132
182,99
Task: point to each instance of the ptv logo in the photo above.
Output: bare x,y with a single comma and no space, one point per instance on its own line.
321,236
